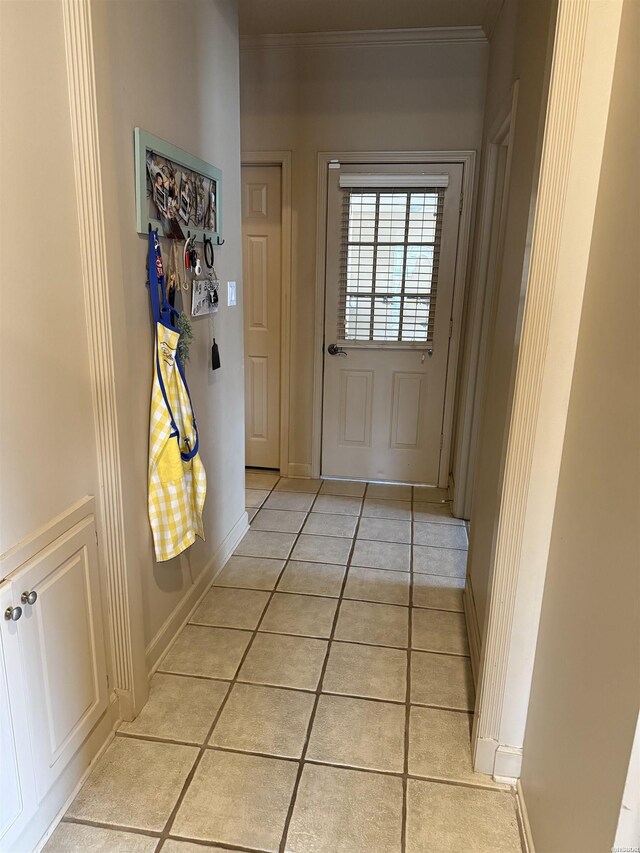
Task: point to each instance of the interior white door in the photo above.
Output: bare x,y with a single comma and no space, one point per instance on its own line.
262,262
61,649
392,239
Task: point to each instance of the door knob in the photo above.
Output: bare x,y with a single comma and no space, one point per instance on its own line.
29,597
334,349
12,614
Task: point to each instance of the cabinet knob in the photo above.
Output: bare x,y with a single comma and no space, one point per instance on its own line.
29,597
12,614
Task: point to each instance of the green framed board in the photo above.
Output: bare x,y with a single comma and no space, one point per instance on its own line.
176,192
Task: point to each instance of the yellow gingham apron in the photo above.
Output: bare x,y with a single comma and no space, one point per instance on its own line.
177,480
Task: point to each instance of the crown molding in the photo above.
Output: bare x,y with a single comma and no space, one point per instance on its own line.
368,38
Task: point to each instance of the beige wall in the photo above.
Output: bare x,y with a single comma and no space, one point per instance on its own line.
499,96
534,19
586,692
171,67
47,439
357,99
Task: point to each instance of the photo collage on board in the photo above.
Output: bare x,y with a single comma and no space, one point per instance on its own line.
179,197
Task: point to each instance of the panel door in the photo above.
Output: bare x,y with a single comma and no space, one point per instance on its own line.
62,649
17,788
390,272
262,264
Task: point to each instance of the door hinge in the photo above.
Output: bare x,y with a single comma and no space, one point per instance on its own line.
450,328
96,532
441,440
461,200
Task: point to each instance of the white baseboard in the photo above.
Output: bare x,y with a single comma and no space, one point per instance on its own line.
485,755
507,764
524,817
300,470
473,629
502,762
182,613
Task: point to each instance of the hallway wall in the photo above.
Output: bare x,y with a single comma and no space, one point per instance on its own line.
585,693
364,98
171,67
499,96
534,20
47,436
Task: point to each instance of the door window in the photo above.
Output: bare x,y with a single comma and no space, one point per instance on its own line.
389,264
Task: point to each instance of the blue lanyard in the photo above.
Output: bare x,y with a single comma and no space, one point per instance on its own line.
162,312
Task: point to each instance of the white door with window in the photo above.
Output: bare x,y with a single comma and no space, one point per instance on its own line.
392,241
262,264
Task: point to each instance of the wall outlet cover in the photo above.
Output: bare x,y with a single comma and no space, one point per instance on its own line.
231,293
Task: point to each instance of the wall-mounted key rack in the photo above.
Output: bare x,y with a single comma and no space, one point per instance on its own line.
176,192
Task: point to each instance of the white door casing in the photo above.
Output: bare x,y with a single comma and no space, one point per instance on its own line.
383,402
262,263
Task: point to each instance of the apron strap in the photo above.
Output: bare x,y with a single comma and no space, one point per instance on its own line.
162,310
162,313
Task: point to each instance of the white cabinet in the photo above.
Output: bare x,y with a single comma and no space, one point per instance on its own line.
17,786
53,678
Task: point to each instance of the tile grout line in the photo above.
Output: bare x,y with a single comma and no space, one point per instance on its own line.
331,640
407,718
321,762
326,595
156,835
316,637
388,701
318,692
205,745
202,749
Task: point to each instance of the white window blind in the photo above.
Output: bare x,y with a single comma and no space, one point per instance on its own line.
362,179
390,248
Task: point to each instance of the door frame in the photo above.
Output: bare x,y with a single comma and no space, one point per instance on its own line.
467,159
486,265
583,43
283,160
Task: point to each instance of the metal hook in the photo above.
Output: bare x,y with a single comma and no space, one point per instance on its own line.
208,248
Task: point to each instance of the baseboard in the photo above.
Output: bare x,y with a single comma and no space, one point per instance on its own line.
524,819
507,764
473,629
180,616
299,470
485,755
452,491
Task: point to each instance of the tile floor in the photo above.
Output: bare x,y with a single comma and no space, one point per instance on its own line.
319,700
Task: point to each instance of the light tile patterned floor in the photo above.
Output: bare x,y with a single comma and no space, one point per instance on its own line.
320,699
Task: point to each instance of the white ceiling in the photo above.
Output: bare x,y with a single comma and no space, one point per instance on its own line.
261,17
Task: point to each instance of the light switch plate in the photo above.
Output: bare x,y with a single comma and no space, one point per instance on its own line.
231,293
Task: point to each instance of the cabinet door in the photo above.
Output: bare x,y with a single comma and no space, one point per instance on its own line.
62,649
17,796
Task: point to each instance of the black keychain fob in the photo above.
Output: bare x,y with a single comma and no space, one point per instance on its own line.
215,356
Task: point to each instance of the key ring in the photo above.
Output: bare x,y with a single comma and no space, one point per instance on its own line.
208,248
